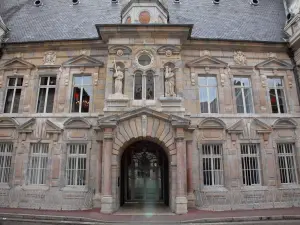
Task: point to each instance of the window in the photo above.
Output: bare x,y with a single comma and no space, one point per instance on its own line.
243,94
286,161
38,163
250,164
208,94
13,95
149,86
46,94
6,150
276,95
212,164
138,86
82,93
76,164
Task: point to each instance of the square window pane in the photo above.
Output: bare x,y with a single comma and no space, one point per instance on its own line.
202,81
52,81
245,82
86,80
270,82
237,81
212,81
278,82
44,80
12,81
20,81
77,80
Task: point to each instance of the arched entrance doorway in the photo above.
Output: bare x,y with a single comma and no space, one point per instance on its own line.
144,174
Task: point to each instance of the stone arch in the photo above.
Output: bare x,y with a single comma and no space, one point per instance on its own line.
77,123
6,122
285,123
147,128
212,123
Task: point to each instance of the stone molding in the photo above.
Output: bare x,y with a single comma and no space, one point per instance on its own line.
206,62
274,64
77,123
115,48
88,62
6,122
285,123
16,64
212,123
166,49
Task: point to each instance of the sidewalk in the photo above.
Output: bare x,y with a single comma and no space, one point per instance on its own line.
194,215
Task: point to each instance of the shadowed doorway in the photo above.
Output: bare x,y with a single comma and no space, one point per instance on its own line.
144,174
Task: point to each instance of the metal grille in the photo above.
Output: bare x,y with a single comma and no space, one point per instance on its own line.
250,164
212,164
286,163
37,170
76,164
6,150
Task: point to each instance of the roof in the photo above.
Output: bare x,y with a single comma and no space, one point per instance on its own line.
60,20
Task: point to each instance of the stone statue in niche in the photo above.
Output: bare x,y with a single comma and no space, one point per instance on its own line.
169,82
119,75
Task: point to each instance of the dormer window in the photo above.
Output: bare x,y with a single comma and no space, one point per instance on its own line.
144,12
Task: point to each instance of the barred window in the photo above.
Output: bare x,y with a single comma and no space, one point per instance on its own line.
76,164
6,150
37,171
250,164
286,163
212,164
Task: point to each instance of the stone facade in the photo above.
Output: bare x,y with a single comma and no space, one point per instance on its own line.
176,123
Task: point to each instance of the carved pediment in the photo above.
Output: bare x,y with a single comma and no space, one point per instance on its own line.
120,50
250,129
274,64
77,123
8,123
16,63
168,50
112,121
83,61
27,126
285,123
212,123
207,61
52,127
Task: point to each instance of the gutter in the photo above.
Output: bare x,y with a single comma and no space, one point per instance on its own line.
295,71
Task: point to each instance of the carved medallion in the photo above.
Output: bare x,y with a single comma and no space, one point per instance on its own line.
239,58
120,52
49,58
169,53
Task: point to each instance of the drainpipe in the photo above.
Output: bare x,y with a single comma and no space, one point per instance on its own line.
295,71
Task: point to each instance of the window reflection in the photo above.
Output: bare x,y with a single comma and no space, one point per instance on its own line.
138,88
82,92
149,86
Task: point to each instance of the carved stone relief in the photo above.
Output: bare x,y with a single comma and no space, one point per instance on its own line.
239,58
49,58
193,77
169,82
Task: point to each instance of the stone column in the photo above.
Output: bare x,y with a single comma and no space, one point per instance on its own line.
189,166
107,199
97,197
181,200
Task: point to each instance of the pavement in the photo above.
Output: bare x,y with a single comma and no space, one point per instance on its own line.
194,216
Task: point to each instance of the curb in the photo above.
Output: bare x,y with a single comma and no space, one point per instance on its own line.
81,220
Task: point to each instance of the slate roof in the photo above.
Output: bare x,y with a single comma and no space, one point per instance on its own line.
60,20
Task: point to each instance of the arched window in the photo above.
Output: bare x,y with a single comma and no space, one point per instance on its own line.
149,86
138,86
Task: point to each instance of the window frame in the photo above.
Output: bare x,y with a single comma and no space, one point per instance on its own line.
242,87
258,158
207,92
7,154
294,157
144,75
211,158
47,91
81,88
39,155
13,87
87,147
277,100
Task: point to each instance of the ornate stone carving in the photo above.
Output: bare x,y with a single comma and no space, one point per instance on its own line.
85,52
223,76
120,52
18,55
119,75
169,53
169,82
206,53
193,81
239,58
49,58
272,55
